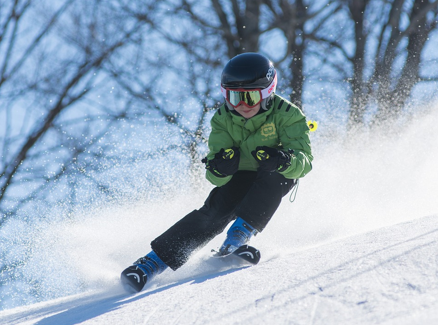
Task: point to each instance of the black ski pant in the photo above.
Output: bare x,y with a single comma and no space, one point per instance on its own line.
252,196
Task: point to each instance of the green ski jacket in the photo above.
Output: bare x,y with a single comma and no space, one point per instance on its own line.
283,126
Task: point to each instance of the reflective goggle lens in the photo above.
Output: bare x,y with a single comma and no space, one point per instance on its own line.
250,98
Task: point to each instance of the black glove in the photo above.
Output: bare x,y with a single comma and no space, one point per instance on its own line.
272,160
224,163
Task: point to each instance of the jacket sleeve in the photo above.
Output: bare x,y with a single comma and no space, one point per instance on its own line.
219,138
294,134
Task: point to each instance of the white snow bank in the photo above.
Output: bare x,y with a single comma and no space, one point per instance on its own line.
386,276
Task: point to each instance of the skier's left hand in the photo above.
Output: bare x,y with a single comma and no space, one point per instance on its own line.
271,159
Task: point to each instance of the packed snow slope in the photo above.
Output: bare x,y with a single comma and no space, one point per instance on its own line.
386,276
358,246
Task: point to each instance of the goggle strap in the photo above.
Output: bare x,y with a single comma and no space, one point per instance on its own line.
268,91
224,92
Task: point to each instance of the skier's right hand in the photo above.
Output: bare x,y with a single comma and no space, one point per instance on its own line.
224,163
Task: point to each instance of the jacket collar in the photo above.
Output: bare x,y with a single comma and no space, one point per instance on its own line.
254,122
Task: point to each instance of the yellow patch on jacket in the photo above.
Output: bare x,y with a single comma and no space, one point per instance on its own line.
268,131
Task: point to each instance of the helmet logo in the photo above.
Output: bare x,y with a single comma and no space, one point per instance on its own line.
270,73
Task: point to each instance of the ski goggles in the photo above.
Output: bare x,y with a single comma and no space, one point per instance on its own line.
248,97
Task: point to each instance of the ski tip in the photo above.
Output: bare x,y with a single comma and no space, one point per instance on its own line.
133,279
248,253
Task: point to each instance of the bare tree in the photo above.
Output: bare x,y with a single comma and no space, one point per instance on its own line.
389,40
290,17
396,87
51,74
165,59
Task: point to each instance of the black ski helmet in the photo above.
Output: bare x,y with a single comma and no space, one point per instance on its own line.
250,71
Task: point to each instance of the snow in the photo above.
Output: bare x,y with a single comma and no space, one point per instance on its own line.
358,246
385,276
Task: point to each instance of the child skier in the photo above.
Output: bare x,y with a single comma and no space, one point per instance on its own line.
259,145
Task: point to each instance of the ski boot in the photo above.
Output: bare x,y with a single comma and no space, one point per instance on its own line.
135,277
238,235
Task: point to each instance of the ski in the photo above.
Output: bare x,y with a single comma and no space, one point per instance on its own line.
247,253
